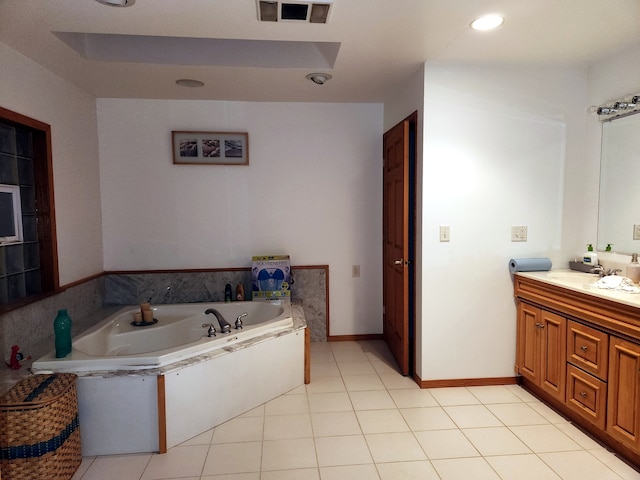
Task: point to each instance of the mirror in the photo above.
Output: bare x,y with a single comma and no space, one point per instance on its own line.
619,207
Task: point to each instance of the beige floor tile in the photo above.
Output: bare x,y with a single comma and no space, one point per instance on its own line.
382,421
122,467
395,381
320,347
551,415
545,438
472,416
301,390
227,458
453,396
512,414
446,444
331,424
329,384
346,346
394,447
84,466
239,429
344,450
578,466
464,469
280,427
522,467
329,402
413,398
614,463
288,454
522,394
296,474
255,412
495,441
355,383
177,462
350,472
579,437
287,404
371,400
322,357
422,470
324,370
350,356
428,418
384,367
232,476
202,439
494,394
356,368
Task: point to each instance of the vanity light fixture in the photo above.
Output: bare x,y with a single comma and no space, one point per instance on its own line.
621,107
189,82
487,22
319,78
117,3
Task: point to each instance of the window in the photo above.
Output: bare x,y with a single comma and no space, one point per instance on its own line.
28,251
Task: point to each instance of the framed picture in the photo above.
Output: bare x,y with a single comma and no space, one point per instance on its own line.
210,148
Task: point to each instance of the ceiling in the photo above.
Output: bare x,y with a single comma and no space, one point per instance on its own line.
381,43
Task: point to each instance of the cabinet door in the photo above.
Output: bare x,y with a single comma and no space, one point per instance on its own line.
553,354
588,349
587,395
528,342
623,406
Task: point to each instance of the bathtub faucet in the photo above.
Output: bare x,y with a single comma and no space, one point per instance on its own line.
212,330
225,327
239,320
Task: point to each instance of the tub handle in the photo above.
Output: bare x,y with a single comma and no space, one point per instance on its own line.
212,330
239,320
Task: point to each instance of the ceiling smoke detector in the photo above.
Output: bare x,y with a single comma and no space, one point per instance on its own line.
117,3
319,78
312,12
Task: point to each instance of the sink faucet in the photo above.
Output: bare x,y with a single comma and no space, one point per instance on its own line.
212,330
225,327
602,272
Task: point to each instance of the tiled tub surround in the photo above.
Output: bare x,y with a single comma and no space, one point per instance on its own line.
89,302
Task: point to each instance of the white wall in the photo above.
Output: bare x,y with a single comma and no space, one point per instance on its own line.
497,141
312,190
31,90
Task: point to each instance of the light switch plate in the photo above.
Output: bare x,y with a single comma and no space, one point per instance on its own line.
445,233
519,233
636,232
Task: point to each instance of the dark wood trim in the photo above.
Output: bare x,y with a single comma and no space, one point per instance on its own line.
464,382
81,281
307,356
350,338
162,416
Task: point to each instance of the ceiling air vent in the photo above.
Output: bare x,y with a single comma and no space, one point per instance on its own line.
312,12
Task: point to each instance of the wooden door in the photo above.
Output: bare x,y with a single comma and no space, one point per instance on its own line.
396,243
528,342
623,406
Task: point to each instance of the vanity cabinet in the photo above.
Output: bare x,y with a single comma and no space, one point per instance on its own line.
580,353
542,348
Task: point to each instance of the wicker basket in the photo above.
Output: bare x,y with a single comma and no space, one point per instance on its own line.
39,431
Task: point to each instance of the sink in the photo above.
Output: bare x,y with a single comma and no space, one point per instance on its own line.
579,278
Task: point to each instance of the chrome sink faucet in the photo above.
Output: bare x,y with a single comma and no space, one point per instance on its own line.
225,327
602,272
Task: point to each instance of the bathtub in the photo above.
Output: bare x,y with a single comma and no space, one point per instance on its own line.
117,344
148,388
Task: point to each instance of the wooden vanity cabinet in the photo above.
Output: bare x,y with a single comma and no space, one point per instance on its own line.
542,348
580,353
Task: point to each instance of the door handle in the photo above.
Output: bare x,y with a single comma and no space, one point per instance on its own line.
398,262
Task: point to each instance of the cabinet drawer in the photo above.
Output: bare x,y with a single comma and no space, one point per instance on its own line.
588,349
587,395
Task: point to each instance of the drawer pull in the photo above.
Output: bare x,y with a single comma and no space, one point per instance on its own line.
583,394
584,348
539,325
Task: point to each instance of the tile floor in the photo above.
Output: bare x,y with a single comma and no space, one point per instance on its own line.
360,419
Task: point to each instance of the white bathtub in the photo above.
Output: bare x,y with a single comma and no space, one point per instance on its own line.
146,389
116,344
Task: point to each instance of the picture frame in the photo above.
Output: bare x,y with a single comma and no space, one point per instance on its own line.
210,148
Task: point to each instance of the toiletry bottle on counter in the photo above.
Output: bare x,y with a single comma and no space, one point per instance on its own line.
590,257
633,269
62,331
227,292
240,292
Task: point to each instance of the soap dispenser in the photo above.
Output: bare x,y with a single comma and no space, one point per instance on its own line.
633,269
590,257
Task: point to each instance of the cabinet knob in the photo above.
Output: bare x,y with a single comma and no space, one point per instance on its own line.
583,394
539,325
584,348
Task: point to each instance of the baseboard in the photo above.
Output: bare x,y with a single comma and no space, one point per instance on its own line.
464,382
351,338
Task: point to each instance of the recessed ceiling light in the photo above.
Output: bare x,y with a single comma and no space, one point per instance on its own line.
117,3
319,78
188,82
487,22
